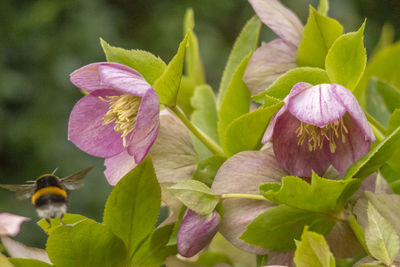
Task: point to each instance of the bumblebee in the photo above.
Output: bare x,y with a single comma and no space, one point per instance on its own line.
49,193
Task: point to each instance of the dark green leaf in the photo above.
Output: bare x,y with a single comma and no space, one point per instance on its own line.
375,104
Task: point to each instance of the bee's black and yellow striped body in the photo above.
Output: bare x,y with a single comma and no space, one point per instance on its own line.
50,197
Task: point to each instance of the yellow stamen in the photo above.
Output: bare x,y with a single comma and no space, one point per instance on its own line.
122,111
316,136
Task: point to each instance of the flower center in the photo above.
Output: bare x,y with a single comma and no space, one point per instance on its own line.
122,110
315,136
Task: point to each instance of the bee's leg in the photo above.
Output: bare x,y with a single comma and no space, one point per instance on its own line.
48,221
62,219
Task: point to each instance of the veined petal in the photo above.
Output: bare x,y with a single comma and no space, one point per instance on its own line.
88,78
118,166
296,159
318,105
123,79
244,173
86,129
19,250
146,127
280,19
268,62
11,223
342,241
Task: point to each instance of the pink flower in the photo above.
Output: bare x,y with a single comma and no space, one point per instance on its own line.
120,113
319,126
276,57
11,223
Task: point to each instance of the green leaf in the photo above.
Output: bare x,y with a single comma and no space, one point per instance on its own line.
389,94
155,250
375,104
278,227
133,206
323,7
211,259
4,262
204,116
246,43
85,244
207,169
196,196
322,195
193,64
282,86
185,93
56,222
394,121
147,64
167,85
318,35
246,131
386,38
375,158
380,237
313,250
236,101
25,263
346,59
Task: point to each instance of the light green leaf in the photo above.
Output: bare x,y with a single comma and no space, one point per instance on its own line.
389,94
246,43
193,64
147,64
394,121
246,131
196,196
313,250
322,195
211,259
318,35
282,86
5,263
85,244
25,263
56,222
323,7
155,250
380,237
185,93
204,116
346,59
375,158
207,169
282,225
133,206
236,101
167,85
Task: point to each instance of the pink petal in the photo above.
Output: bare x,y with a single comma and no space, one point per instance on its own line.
19,250
146,127
118,166
317,105
280,19
352,150
296,159
244,173
268,62
87,78
85,127
11,223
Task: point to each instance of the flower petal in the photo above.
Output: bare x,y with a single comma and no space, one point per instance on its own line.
244,173
118,166
296,159
196,231
146,126
11,223
350,103
268,62
280,19
342,241
123,79
87,78
318,105
352,150
85,128
19,250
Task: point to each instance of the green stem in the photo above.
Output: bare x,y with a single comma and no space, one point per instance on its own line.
247,196
205,139
378,129
357,230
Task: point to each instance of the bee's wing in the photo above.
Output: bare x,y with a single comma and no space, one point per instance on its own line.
22,191
74,181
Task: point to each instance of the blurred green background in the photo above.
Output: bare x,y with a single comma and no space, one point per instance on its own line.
42,41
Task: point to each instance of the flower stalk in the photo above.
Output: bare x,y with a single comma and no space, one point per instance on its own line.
246,196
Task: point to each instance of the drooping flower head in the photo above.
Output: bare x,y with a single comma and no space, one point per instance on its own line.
276,57
119,114
319,126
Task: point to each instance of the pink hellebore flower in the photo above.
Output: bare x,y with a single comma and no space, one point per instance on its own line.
319,126
120,113
276,57
11,223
